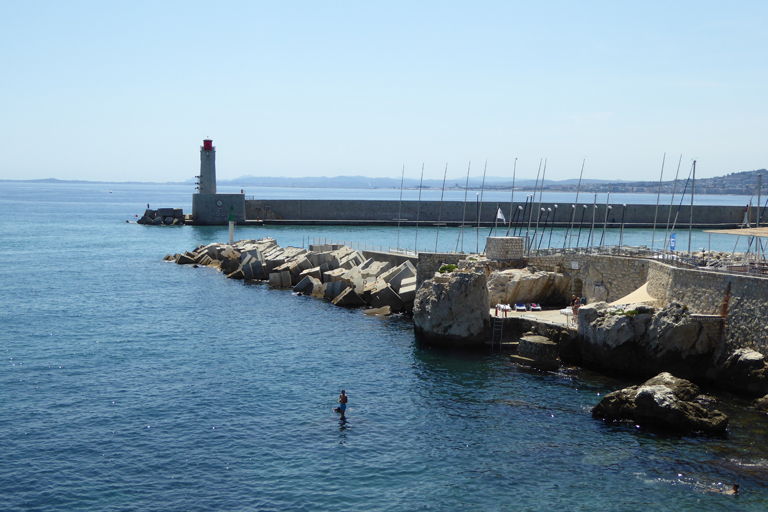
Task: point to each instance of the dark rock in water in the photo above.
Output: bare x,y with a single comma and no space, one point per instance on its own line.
744,370
538,352
761,404
639,341
663,401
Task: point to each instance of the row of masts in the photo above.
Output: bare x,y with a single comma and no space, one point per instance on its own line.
517,218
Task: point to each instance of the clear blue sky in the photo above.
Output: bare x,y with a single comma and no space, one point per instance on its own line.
126,91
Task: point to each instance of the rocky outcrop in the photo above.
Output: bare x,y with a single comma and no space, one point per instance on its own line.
761,404
663,401
528,285
641,341
744,371
453,308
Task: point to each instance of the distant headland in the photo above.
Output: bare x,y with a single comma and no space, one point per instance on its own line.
737,183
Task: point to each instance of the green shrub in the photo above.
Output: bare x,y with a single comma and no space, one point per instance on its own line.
447,268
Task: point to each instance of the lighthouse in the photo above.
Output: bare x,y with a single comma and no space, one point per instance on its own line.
207,167
208,206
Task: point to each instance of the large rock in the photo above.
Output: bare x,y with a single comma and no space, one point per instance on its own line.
744,371
663,401
641,341
528,285
453,308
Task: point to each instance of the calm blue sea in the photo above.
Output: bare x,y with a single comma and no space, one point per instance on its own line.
129,383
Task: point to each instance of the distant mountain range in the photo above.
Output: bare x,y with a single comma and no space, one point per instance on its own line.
491,182
739,183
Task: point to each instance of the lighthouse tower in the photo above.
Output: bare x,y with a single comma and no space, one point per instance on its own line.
207,168
208,206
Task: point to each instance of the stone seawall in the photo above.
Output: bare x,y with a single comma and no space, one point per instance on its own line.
429,263
453,212
599,278
742,300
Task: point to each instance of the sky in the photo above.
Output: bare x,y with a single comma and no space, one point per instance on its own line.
127,91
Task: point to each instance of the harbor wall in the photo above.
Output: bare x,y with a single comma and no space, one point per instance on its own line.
303,211
742,300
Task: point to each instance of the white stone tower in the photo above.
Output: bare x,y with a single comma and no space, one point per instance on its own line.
207,168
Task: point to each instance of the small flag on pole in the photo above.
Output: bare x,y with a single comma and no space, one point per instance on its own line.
500,215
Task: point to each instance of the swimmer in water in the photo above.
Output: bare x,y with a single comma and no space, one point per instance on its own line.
735,489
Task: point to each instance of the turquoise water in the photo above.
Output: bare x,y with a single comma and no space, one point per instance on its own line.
129,383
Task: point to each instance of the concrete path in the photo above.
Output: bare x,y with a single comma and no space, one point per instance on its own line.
552,317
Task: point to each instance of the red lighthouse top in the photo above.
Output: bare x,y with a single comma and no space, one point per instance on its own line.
207,144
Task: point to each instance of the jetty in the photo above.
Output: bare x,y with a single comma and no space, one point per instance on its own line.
338,273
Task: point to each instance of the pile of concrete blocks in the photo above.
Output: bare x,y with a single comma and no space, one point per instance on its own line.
337,273
162,217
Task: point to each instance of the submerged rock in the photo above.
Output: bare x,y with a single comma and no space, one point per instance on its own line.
663,401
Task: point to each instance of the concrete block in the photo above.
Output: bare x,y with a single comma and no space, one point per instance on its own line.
306,285
237,274
274,280
379,311
333,275
348,298
285,279
406,272
186,259
314,272
386,296
259,271
408,293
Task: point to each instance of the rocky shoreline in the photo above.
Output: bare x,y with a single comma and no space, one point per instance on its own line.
452,308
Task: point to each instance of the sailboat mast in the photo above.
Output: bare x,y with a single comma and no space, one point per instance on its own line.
658,196
440,211
464,215
533,200
671,203
576,203
690,222
418,211
512,199
400,208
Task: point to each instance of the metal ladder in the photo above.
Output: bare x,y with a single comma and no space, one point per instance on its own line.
498,327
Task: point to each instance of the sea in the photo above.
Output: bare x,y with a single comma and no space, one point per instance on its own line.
130,383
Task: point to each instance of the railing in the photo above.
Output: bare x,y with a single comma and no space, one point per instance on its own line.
364,247
680,260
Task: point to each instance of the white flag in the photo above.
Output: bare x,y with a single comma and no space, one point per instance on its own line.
500,216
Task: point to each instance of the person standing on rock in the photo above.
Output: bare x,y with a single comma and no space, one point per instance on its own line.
342,408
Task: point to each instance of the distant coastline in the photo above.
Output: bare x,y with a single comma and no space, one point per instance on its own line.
741,183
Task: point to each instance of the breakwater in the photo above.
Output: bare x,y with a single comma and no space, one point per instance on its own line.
338,273
453,213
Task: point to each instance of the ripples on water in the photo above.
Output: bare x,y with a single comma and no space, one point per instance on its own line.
132,384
